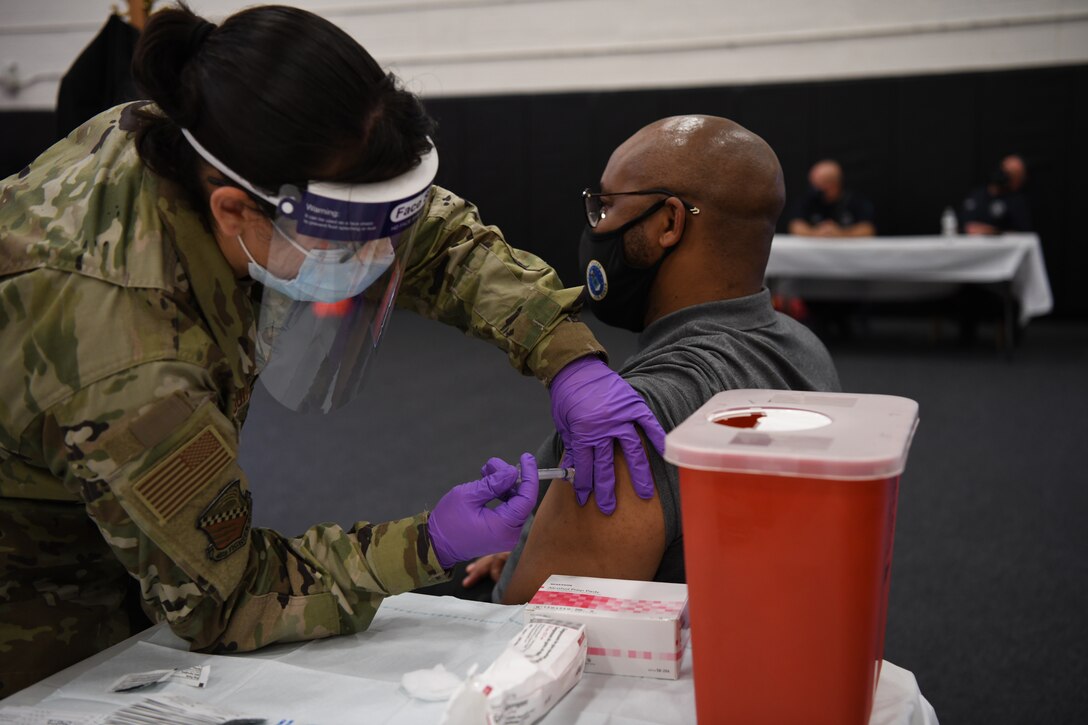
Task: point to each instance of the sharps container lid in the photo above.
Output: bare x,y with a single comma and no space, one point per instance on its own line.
790,433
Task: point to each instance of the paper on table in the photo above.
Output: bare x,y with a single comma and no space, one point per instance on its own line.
459,633
139,680
195,676
404,624
173,710
266,688
22,715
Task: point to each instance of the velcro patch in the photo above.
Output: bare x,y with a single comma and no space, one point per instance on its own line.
147,431
167,487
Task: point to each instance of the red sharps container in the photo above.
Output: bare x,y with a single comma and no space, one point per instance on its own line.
788,503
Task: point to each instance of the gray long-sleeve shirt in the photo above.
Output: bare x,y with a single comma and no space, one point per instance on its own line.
685,358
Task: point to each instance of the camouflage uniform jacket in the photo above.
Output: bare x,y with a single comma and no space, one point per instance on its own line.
127,359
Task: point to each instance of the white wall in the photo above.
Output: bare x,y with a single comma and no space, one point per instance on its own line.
471,47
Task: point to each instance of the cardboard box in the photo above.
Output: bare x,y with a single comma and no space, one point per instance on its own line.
634,628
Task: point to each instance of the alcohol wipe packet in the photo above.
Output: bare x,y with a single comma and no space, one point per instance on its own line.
539,666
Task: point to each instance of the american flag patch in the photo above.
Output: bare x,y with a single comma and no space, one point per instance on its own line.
173,483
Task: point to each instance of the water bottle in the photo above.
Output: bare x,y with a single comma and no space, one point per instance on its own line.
948,222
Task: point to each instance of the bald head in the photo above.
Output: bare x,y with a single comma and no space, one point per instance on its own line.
826,177
730,173
1015,171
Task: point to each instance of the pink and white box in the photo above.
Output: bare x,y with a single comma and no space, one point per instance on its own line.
634,627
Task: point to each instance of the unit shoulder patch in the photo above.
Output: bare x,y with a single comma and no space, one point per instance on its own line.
226,521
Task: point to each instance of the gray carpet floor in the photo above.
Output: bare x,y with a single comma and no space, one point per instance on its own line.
990,578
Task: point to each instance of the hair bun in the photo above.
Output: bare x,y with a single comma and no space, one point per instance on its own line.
198,35
166,47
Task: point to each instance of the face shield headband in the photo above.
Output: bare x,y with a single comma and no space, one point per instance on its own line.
331,240
332,273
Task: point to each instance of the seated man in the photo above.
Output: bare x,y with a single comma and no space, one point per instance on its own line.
999,206
993,208
829,210
676,248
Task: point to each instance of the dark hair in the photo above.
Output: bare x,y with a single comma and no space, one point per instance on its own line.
278,94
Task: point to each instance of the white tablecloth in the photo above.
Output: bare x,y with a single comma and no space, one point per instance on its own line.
356,678
1016,259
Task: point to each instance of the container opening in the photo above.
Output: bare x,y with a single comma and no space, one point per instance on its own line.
770,419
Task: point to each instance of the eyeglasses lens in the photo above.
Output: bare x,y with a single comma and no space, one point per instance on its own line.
593,209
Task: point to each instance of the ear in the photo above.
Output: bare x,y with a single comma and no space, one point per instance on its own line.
233,210
674,218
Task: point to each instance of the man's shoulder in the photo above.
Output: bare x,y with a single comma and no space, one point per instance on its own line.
860,206
712,352
977,195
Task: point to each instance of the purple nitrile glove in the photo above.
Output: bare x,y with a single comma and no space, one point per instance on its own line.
461,525
591,406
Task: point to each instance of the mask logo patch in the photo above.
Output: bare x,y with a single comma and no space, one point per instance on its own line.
226,521
596,280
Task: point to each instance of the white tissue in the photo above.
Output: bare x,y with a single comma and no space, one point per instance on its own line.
435,684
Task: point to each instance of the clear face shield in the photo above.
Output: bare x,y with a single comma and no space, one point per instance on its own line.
331,274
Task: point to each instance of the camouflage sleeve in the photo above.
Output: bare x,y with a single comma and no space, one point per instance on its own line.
163,485
464,274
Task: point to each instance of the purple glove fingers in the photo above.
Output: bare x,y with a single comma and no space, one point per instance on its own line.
577,484
591,406
462,527
642,478
566,461
516,510
603,465
500,482
653,430
493,464
584,482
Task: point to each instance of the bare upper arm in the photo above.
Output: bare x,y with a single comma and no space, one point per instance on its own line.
579,540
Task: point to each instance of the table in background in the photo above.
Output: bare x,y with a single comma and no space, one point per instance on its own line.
356,678
868,268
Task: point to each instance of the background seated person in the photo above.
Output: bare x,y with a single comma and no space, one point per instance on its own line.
999,206
676,249
829,210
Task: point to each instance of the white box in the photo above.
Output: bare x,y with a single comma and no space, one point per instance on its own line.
634,627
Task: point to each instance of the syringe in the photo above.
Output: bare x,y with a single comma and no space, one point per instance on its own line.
567,473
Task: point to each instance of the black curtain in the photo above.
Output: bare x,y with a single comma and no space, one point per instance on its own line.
912,145
100,78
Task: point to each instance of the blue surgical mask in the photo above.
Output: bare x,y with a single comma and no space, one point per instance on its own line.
325,276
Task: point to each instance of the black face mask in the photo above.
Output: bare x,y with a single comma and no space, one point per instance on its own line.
618,293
